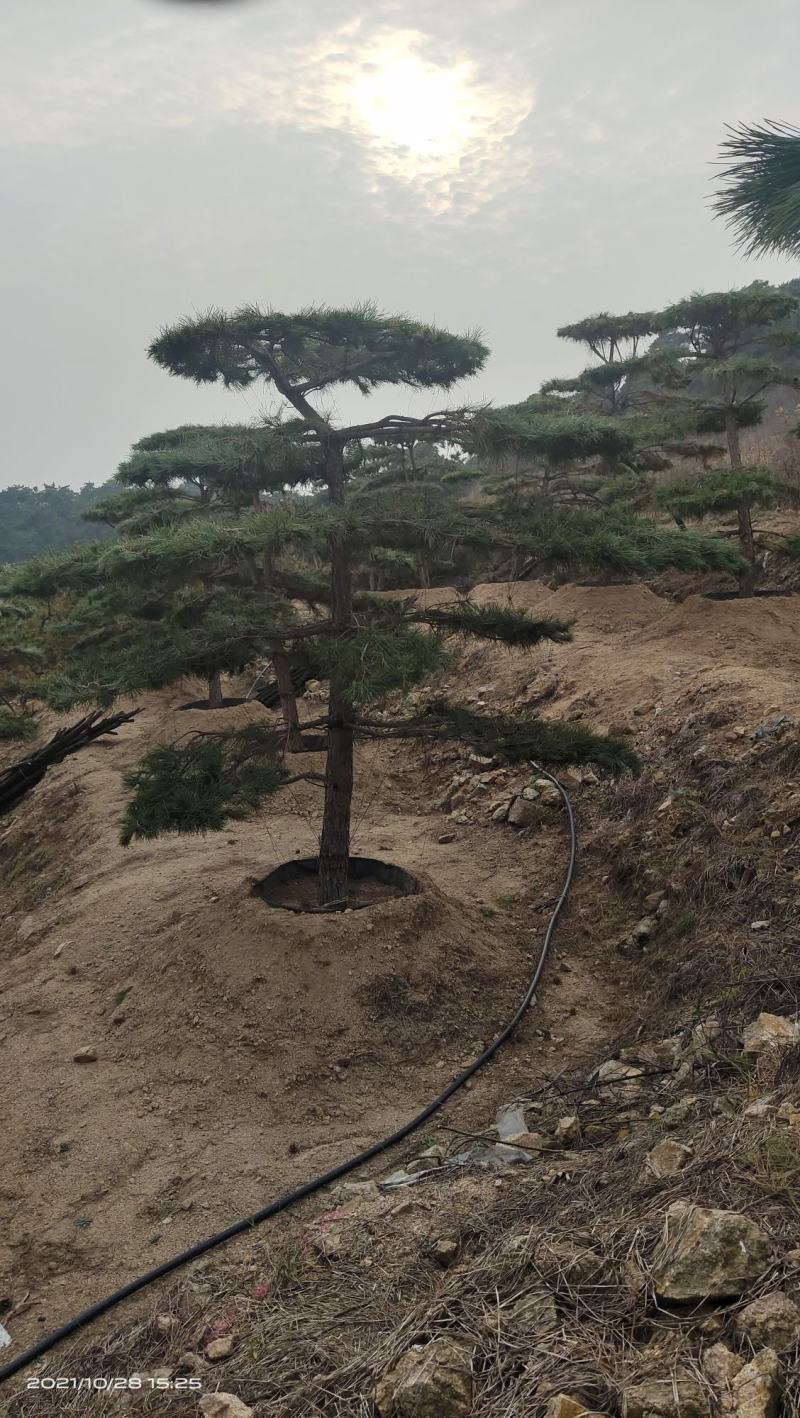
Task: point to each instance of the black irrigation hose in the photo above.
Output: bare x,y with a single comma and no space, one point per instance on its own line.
342,1169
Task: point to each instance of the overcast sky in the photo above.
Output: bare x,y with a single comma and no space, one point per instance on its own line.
506,164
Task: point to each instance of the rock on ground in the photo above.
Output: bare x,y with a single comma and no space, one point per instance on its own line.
771,1321
667,1158
769,1031
563,1405
224,1405
676,1397
430,1381
709,1254
220,1348
531,1314
720,1367
756,1390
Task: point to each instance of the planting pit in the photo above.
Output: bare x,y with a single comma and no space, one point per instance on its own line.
293,885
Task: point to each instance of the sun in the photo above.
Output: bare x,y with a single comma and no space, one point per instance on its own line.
406,103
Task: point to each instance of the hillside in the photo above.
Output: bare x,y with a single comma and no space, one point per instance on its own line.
239,1051
39,519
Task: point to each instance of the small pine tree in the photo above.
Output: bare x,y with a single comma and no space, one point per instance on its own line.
727,490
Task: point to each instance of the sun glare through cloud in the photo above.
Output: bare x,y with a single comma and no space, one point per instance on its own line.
443,127
424,120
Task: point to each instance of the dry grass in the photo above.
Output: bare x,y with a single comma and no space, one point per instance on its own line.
320,1313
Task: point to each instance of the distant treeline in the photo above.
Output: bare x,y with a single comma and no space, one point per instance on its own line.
37,519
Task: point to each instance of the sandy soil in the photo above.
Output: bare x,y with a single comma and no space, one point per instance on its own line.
241,1050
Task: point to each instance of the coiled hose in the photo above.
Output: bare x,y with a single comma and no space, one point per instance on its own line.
343,1168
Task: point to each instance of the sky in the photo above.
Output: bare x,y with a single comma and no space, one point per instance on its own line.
505,165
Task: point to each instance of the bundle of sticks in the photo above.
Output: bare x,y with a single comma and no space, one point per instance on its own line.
23,775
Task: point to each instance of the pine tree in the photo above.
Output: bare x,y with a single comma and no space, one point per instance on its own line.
619,344
302,357
727,490
728,342
366,646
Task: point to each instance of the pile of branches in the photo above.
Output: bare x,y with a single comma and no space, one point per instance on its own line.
20,777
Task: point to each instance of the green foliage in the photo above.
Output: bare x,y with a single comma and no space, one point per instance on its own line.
495,622
228,463
554,439
200,785
724,490
34,520
377,659
717,324
17,726
119,647
48,575
316,349
759,188
136,510
712,418
563,540
521,739
605,334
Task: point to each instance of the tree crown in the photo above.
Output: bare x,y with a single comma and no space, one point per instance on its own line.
316,349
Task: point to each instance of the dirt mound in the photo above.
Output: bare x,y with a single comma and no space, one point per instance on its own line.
608,609
751,631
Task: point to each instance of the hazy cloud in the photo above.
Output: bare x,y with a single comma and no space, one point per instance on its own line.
503,163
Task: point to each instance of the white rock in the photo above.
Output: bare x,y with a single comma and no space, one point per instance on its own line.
568,1131
220,1348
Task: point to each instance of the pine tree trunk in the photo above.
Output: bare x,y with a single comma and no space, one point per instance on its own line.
334,849
283,679
746,539
215,690
744,519
732,435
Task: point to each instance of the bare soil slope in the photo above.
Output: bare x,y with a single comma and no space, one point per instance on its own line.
241,1050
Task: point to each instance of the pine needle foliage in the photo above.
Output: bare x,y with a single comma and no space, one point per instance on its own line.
759,187
554,439
496,623
360,346
47,576
200,785
20,727
523,739
614,543
377,659
725,490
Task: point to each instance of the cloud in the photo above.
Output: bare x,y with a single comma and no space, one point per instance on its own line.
434,125
415,112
